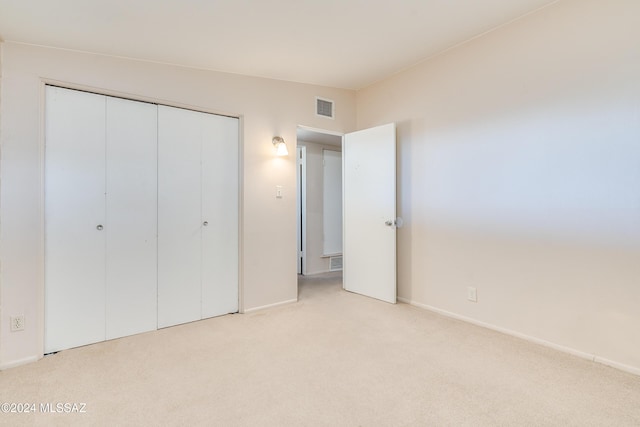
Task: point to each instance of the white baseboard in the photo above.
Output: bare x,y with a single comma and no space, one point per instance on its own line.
564,349
19,362
617,365
264,307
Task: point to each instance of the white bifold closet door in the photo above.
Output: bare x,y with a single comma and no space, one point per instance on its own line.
141,217
197,215
131,221
74,209
100,218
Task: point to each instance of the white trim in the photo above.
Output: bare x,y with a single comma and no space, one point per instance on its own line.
241,290
268,306
301,202
19,362
41,289
617,365
135,97
343,229
583,355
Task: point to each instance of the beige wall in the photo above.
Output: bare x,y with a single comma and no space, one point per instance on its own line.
519,174
316,262
267,108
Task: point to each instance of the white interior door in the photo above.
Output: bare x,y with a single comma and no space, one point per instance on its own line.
369,180
179,216
220,214
131,229
74,219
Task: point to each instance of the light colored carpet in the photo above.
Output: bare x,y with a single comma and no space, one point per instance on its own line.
332,359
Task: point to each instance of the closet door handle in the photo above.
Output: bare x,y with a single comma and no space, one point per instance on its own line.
99,227
205,223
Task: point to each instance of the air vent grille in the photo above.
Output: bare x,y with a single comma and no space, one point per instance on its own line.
335,263
324,107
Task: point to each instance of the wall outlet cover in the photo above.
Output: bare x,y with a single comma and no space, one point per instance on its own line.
17,323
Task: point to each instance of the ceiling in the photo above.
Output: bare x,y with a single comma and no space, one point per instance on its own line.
339,43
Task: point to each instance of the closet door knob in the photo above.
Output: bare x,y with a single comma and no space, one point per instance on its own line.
99,227
205,223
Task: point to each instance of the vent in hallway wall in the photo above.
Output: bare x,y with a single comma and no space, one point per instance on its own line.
324,107
335,263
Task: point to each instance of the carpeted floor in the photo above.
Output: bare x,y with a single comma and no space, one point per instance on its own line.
332,359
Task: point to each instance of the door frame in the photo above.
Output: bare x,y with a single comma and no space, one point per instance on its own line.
44,82
301,194
301,204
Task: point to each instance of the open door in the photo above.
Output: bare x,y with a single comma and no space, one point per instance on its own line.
369,191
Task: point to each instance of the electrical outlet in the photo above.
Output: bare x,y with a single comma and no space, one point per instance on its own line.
472,294
17,323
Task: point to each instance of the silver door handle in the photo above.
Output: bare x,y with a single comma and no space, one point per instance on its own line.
99,227
205,223
397,223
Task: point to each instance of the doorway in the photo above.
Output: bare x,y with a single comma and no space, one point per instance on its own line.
319,201
368,207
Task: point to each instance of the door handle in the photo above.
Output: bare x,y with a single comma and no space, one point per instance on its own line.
205,223
394,222
99,227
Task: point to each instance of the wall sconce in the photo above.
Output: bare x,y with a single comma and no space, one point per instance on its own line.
281,147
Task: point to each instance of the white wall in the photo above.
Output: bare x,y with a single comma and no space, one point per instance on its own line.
316,262
519,163
267,108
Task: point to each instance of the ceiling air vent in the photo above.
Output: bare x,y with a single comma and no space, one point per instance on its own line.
324,107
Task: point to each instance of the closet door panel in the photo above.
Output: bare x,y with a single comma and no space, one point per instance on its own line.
179,216
220,211
74,210
131,231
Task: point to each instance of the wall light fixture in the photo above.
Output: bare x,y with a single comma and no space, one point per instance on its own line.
281,146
